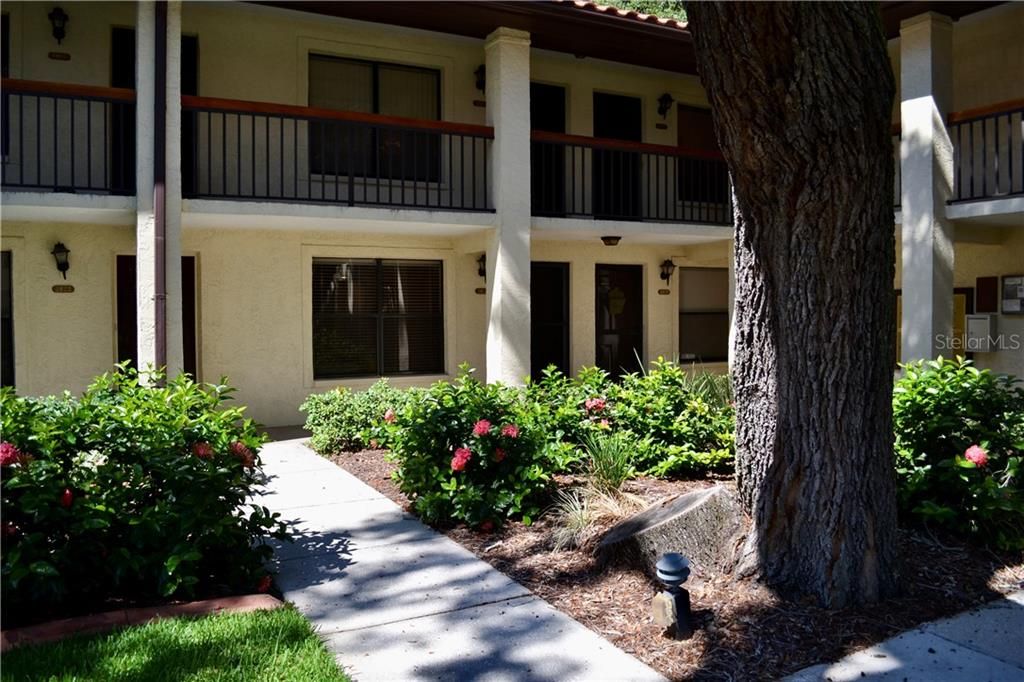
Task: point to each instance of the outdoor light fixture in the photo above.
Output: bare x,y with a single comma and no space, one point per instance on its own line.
60,254
481,265
481,78
665,104
667,268
671,608
611,240
59,20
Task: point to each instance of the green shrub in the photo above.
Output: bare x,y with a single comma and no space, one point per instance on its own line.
342,419
610,461
129,492
940,410
574,407
473,452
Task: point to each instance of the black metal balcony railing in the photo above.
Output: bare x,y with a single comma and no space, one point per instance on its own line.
253,151
576,176
68,138
988,152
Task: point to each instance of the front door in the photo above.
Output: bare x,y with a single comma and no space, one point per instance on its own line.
620,318
549,317
127,312
616,183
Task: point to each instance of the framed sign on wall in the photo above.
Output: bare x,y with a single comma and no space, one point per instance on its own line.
1012,295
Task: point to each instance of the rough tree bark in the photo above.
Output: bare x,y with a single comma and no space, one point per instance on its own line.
801,95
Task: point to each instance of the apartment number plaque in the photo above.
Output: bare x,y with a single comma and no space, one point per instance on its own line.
63,289
1013,295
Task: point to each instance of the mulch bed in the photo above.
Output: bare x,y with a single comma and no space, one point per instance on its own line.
745,631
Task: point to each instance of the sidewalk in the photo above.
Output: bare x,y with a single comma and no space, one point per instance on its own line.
395,600
985,645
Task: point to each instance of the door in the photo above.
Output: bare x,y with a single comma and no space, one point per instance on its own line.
616,173
549,317
127,312
703,182
620,318
7,319
547,161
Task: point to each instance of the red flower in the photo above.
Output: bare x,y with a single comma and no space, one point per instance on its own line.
9,454
243,453
510,430
487,526
66,498
977,455
9,529
389,416
482,428
461,459
499,454
595,404
264,584
202,450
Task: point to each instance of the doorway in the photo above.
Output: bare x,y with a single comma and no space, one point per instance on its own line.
549,317
127,312
7,308
619,334
616,174
547,160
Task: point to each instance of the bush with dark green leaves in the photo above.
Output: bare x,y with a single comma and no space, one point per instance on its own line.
129,493
342,419
959,434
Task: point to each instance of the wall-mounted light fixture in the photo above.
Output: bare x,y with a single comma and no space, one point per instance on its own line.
611,240
665,103
60,254
481,265
667,268
59,20
481,78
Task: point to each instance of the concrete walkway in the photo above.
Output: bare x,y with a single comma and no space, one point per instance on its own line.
395,600
985,645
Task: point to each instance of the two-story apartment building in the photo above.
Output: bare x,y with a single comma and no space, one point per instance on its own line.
306,195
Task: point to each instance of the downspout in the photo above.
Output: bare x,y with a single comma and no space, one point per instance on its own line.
159,184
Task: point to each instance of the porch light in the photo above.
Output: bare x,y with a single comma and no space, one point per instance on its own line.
59,20
611,240
665,103
60,254
481,78
667,268
671,608
481,265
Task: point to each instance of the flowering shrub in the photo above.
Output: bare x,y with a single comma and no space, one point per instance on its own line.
473,452
351,420
959,442
129,492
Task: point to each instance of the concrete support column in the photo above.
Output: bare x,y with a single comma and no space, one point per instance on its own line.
508,251
172,192
926,164
145,223
732,302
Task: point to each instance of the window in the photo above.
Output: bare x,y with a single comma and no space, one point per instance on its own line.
377,318
376,88
703,314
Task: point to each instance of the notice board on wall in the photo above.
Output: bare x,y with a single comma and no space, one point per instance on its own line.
1012,295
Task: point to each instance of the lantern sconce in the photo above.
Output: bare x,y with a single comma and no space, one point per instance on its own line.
611,240
665,103
59,20
667,268
481,266
481,78
60,254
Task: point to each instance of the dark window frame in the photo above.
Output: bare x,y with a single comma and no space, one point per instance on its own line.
702,312
381,317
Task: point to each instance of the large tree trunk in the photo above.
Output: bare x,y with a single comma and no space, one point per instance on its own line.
802,97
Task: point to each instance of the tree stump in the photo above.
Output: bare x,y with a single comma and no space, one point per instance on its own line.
706,526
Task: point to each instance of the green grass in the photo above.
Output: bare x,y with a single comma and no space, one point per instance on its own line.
277,645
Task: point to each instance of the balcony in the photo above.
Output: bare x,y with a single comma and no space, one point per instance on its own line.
254,151
602,179
68,138
988,152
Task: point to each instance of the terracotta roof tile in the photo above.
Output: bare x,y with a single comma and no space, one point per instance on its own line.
624,13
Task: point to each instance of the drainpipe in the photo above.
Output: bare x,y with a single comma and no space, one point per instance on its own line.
159,184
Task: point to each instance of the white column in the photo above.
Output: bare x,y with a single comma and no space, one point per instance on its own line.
145,224
926,164
172,222
732,301
508,252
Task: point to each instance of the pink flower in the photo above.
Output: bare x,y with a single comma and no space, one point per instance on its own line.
461,459
977,455
389,416
595,404
604,424
202,450
510,430
264,584
66,498
499,454
482,428
9,454
487,526
243,453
